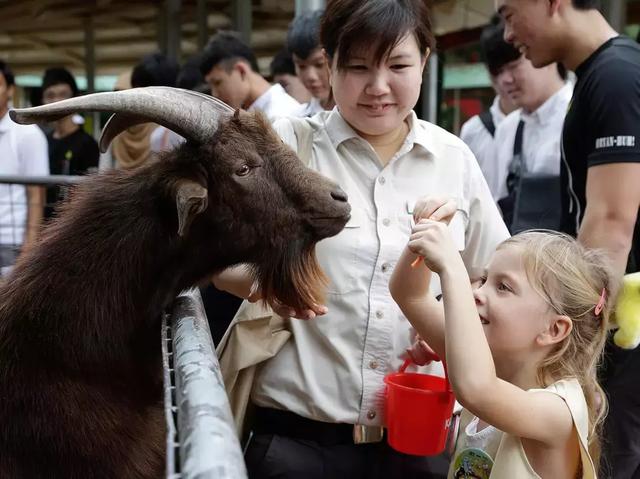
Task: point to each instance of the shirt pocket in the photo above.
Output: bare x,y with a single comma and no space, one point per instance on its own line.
337,255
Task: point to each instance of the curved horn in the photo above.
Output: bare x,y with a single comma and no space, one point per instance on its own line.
192,115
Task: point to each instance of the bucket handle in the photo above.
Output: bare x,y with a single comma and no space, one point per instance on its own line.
434,357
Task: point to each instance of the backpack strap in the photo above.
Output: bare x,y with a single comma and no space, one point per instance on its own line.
304,136
487,120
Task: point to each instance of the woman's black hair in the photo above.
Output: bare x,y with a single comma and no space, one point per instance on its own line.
349,26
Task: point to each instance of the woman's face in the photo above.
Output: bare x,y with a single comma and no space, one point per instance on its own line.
375,99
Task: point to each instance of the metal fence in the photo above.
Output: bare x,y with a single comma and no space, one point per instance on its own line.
202,441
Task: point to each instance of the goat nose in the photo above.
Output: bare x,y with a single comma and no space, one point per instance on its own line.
339,195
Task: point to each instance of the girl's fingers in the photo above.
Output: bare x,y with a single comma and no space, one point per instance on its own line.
444,212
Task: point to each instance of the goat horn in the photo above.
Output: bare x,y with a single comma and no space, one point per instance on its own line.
192,115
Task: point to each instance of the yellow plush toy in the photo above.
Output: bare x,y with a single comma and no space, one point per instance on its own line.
628,313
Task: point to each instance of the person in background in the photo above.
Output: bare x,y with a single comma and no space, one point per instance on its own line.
479,131
72,151
23,152
230,68
319,401
132,147
528,140
600,198
303,41
283,71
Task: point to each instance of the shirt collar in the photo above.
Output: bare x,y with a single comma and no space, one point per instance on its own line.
262,102
340,131
496,112
549,108
5,123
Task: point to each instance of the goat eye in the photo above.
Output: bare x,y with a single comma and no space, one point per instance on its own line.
243,170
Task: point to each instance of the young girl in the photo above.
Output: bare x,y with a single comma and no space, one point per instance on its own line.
521,350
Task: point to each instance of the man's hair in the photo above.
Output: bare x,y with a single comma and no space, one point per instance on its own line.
154,69
225,47
282,63
190,77
57,76
350,26
6,72
303,36
587,4
496,52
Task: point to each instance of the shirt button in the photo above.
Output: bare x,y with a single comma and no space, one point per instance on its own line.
381,180
379,314
386,267
373,364
371,414
386,221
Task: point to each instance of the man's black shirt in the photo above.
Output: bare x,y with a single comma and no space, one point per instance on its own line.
72,155
602,126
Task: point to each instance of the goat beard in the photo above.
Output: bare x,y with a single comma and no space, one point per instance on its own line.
292,276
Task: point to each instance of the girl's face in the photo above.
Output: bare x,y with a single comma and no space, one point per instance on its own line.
375,99
513,314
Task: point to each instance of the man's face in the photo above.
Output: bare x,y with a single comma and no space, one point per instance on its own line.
528,26
6,93
58,92
524,84
229,85
314,73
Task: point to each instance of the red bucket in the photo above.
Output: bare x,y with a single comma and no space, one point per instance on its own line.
418,410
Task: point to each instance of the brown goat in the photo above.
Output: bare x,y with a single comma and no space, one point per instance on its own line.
80,357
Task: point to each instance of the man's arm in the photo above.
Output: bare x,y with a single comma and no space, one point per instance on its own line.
613,199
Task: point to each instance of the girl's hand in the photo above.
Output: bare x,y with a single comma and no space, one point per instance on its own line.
433,208
432,240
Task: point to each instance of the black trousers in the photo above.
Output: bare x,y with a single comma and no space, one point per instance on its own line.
621,439
330,456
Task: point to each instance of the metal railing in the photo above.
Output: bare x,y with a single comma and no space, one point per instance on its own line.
201,436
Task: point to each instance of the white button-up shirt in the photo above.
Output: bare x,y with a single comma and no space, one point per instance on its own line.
276,103
333,369
23,152
540,141
478,138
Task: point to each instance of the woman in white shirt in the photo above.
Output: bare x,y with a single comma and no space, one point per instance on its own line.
320,399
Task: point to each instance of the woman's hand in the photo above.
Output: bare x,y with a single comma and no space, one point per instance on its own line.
433,208
289,312
421,353
431,240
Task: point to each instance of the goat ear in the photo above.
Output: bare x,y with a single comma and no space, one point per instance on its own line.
191,200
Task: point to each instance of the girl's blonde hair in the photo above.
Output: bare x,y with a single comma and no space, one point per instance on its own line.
572,279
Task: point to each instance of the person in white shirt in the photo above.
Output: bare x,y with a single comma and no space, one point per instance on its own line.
479,131
230,68
303,41
23,152
320,400
283,71
528,139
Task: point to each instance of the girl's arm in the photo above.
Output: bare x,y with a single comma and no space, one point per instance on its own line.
409,284
409,287
541,416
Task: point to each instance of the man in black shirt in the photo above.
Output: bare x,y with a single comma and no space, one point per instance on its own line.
600,168
72,151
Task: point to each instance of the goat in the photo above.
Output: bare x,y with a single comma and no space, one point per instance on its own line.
80,355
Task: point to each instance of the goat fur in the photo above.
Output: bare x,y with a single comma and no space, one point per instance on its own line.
80,356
